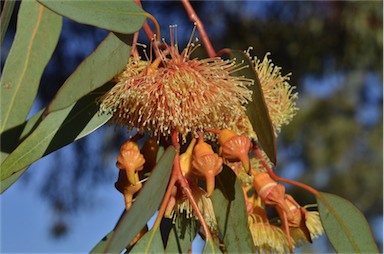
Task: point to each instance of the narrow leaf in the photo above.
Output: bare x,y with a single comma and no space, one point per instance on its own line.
37,33
58,129
119,16
151,242
211,247
25,129
345,226
102,65
6,14
257,110
4,185
146,204
229,204
100,246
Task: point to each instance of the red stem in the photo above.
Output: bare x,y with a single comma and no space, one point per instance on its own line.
280,179
186,189
200,27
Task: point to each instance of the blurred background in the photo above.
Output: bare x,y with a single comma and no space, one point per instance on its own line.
66,202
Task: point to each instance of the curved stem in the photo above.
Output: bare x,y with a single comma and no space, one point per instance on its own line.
157,27
185,187
200,27
281,179
146,27
166,198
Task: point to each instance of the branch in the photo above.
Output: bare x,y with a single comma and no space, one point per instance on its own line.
200,27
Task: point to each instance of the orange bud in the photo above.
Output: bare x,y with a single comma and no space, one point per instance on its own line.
206,164
186,159
149,150
130,159
299,217
126,188
225,135
235,147
271,192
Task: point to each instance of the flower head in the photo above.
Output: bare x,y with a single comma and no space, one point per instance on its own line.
178,93
278,94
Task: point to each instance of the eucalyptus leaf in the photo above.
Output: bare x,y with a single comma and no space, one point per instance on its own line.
114,15
4,185
232,219
151,242
346,227
37,34
102,244
102,65
147,202
257,110
211,247
6,14
58,129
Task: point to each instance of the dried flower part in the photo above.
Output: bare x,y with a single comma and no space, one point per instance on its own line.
131,160
203,202
278,94
183,94
266,237
206,164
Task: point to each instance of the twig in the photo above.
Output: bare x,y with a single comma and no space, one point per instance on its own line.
278,178
200,27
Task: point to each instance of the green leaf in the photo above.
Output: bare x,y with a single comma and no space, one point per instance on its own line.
100,246
119,16
345,226
257,110
6,14
37,33
182,234
232,219
147,202
58,129
4,185
25,129
211,247
102,65
151,242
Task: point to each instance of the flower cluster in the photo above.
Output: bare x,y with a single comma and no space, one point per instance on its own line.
204,98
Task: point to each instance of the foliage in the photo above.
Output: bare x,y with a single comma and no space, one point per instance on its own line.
74,114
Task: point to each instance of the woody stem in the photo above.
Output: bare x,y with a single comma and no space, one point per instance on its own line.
200,27
166,198
185,187
281,179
